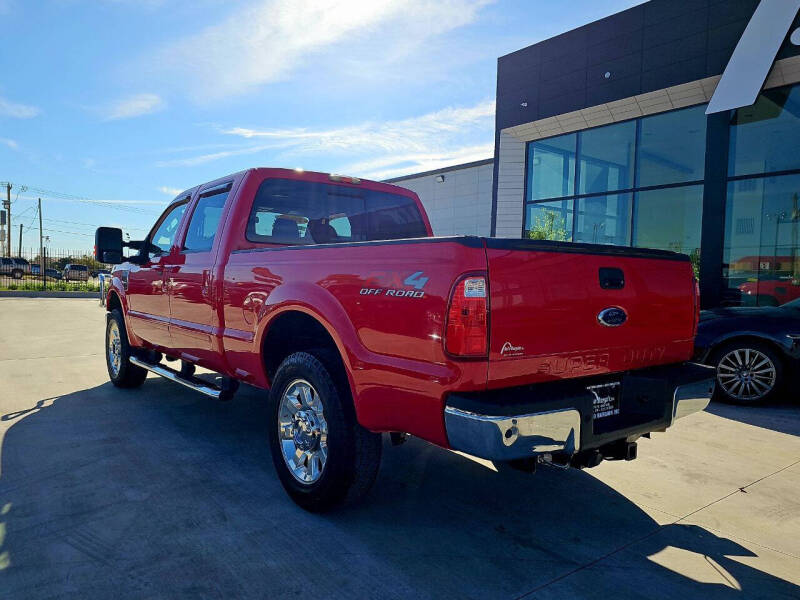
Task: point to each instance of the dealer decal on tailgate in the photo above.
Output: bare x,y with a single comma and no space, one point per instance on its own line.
606,399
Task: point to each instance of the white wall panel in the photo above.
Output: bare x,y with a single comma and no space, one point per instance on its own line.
459,205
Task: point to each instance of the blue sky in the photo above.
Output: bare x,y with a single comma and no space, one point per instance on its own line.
123,103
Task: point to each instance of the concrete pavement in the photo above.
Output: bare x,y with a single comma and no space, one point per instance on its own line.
160,492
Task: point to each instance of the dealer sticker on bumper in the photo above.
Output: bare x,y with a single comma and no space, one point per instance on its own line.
606,399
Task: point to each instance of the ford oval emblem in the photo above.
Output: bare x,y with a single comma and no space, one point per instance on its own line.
612,316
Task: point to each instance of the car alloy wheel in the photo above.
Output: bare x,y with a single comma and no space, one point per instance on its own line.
303,431
114,348
746,374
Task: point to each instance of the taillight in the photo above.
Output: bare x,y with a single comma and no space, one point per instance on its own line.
696,306
467,318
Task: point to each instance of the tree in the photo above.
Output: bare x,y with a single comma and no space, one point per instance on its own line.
549,225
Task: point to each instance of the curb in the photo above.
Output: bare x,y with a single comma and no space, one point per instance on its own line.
53,294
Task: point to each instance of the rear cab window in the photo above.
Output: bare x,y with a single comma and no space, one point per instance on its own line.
296,212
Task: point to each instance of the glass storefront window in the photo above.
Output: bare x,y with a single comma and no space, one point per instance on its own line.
765,137
551,167
762,234
606,158
603,219
672,147
670,219
549,221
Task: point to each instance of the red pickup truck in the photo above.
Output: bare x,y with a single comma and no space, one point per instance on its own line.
331,293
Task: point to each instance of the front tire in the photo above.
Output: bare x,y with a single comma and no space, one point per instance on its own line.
748,372
324,458
118,352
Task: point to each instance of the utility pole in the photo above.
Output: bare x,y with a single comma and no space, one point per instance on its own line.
7,204
19,247
41,249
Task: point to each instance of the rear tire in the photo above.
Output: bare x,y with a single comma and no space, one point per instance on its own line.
748,372
16,274
118,352
324,458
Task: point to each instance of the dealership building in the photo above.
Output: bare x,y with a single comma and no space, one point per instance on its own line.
672,125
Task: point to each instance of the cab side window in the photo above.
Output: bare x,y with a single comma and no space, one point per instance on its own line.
205,220
164,235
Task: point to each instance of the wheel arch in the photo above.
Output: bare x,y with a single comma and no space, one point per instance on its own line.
743,337
113,301
297,329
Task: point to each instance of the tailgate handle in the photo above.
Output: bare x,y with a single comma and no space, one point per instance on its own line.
611,278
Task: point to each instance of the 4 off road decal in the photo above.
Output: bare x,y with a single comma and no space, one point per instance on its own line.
397,285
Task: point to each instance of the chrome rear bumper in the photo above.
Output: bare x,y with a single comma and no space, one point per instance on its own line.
508,437
691,398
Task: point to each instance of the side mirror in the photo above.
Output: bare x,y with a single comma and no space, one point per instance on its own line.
108,245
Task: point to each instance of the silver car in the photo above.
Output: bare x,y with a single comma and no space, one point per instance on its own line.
74,272
15,267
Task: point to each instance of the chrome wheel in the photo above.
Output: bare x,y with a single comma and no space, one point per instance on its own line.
303,431
746,374
114,348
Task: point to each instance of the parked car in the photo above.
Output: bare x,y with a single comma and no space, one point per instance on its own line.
52,273
770,292
755,350
330,292
16,267
74,272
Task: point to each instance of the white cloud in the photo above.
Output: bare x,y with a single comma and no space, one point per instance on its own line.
9,143
267,40
133,106
376,149
413,134
169,191
17,111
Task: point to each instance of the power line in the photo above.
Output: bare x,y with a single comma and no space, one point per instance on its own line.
65,197
68,232
91,224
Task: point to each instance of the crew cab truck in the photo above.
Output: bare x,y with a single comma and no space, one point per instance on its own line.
331,293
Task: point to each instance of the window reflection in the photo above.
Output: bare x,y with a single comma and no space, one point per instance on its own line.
550,221
606,158
551,167
672,147
604,220
762,232
670,219
765,137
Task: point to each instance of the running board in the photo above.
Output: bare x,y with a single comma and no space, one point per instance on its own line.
193,383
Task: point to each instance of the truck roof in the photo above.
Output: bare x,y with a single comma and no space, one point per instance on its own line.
317,176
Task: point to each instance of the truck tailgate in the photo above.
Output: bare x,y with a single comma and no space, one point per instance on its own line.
550,317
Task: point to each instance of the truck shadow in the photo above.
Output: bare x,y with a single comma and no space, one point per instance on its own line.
782,415
160,492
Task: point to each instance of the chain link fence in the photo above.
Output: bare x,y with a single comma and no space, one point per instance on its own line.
51,270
